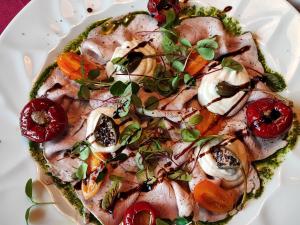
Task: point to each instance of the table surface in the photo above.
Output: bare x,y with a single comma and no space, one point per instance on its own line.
10,8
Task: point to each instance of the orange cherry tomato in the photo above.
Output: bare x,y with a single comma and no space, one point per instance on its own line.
214,198
74,66
195,64
94,161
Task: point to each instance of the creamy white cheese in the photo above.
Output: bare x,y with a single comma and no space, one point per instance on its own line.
146,66
91,125
207,91
209,164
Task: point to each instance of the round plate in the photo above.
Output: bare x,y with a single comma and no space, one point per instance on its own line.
37,35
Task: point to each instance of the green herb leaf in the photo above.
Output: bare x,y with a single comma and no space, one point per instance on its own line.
180,175
161,222
153,147
177,65
208,43
101,175
84,154
81,171
28,189
27,214
195,119
226,90
275,81
139,161
175,82
134,87
181,221
185,42
120,157
84,92
149,84
188,79
164,87
110,195
189,135
93,74
151,103
206,53
136,101
118,88
131,134
206,139
170,18
231,64
119,61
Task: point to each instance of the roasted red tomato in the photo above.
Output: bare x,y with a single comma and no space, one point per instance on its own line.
42,120
138,213
269,118
157,8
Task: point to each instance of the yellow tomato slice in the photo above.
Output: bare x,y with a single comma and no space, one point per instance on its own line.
195,64
90,188
94,161
214,198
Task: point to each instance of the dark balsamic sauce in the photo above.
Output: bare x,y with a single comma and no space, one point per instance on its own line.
227,9
234,53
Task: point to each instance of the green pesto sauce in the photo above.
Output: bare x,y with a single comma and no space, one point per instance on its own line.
265,168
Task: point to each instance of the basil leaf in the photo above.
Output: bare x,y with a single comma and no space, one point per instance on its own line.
139,161
119,61
131,134
110,195
175,82
170,18
181,221
274,81
136,101
149,84
27,214
177,65
118,88
226,90
188,79
28,189
161,222
189,135
84,153
84,92
151,103
204,140
101,175
120,157
153,147
164,87
206,53
93,74
81,171
185,42
195,119
134,87
231,64
208,43
180,175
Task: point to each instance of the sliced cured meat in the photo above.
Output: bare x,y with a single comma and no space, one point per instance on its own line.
57,86
154,197
185,201
62,165
100,47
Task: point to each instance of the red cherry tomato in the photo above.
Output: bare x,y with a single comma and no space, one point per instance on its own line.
157,8
269,118
42,120
133,210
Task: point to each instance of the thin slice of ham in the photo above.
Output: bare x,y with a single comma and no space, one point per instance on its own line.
100,47
162,198
57,86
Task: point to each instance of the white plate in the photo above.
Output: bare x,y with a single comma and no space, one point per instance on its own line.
43,25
